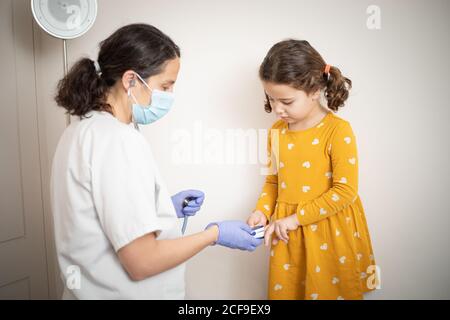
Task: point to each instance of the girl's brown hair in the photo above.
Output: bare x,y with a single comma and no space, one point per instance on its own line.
138,47
297,64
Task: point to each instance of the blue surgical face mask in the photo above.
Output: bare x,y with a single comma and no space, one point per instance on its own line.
161,102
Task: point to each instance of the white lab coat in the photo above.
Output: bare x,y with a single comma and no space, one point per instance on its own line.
106,191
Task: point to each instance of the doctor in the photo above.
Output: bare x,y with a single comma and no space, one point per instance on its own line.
117,230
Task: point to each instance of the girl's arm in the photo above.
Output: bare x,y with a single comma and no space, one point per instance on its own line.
146,256
345,179
267,200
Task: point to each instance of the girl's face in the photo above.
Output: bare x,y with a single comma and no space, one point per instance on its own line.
290,104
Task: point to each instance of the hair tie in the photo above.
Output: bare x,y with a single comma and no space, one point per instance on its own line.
326,72
98,70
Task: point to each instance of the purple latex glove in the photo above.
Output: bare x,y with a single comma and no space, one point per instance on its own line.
236,235
190,208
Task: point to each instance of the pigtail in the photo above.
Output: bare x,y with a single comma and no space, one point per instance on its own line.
337,88
82,89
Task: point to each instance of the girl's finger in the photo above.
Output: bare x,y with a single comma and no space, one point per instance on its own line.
284,233
278,232
275,240
268,234
252,221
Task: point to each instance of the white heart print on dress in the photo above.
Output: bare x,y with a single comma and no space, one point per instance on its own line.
324,246
277,287
286,266
335,197
315,142
267,207
283,185
335,280
328,174
342,259
323,211
314,296
314,227
317,269
352,160
290,146
343,180
306,188
347,140
306,164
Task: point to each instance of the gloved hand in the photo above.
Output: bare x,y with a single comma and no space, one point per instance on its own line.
236,235
196,201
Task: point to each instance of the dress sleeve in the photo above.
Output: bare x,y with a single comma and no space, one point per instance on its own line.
268,197
344,190
124,194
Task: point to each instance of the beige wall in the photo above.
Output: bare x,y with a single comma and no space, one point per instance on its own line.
398,108
23,250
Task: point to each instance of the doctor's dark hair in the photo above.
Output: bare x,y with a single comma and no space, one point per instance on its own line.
138,47
296,63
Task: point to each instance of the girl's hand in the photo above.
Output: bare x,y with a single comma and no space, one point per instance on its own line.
281,228
257,218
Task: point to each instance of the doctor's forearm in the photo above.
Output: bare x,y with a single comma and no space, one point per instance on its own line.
147,256
173,252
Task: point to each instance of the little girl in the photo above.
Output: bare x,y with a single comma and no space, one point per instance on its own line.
311,196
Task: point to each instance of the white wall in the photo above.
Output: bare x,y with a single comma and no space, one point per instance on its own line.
399,110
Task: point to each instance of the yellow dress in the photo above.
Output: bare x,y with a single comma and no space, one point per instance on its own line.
315,176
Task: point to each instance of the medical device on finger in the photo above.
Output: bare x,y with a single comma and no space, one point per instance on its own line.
259,232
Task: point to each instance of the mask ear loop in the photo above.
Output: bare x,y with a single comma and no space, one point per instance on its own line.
142,80
145,84
130,95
